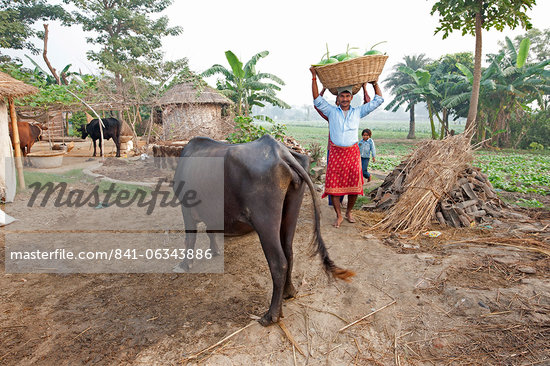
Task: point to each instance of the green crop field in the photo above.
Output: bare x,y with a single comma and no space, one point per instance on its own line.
317,131
516,171
508,170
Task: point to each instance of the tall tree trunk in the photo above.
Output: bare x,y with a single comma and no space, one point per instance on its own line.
240,104
45,56
432,125
412,122
474,99
444,124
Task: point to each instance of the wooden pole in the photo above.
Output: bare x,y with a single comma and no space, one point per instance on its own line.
16,144
50,129
98,117
150,127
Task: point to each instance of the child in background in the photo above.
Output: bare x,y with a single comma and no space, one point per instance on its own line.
366,146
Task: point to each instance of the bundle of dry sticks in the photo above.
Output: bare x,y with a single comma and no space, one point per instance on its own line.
436,181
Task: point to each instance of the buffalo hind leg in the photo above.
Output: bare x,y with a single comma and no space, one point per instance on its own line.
214,249
190,225
291,210
94,147
278,266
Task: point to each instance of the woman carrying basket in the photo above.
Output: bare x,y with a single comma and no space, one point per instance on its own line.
344,174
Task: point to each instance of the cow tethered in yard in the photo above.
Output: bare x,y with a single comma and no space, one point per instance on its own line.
111,130
263,187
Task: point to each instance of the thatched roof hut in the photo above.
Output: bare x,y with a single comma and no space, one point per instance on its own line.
9,88
188,111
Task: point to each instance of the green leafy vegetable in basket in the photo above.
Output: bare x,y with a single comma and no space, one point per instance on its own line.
330,60
327,59
348,55
374,52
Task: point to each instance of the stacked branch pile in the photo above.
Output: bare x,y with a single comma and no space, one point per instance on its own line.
436,182
167,152
472,200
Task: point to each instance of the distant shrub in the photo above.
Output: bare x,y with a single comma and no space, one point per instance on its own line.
77,120
315,151
531,128
246,130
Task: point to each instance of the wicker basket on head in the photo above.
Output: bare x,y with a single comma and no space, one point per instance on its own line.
356,72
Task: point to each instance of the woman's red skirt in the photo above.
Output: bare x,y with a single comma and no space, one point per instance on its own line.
344,175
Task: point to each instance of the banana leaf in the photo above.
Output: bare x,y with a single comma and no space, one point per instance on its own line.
523,52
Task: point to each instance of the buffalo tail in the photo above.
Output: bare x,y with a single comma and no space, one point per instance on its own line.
317,241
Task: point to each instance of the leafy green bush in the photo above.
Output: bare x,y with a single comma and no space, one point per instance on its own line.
315,151
247,130
77,120
531,128
535,146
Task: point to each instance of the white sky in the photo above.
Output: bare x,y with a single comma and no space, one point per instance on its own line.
295,33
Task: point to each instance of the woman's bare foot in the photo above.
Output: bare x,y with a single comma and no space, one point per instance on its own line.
338,222
350,218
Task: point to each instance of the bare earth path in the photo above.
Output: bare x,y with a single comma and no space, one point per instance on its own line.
454,303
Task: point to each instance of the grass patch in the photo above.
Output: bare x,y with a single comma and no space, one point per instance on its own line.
365,198
361,200
118,187
43,178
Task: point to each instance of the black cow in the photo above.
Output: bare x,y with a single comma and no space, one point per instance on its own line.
263,185
111,130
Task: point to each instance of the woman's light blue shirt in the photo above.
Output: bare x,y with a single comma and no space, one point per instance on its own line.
343,130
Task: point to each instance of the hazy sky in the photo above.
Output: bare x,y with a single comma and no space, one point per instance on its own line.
295,33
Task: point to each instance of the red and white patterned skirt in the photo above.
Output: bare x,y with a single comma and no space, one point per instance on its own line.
344,175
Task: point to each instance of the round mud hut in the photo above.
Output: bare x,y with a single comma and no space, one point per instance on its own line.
188,112
10,88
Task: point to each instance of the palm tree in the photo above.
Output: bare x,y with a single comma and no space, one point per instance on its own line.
398,78
244,86
420,90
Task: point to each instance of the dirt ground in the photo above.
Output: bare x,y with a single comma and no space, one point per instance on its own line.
470,296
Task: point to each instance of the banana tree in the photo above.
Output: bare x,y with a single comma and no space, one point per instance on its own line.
443,70
508,85
244,86
421,89
516,85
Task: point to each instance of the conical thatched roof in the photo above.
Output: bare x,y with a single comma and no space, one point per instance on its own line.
10,87
186,93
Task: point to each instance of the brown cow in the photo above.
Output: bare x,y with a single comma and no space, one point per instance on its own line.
28,135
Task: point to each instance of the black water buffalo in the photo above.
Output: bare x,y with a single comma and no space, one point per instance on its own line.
111,130
263,187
